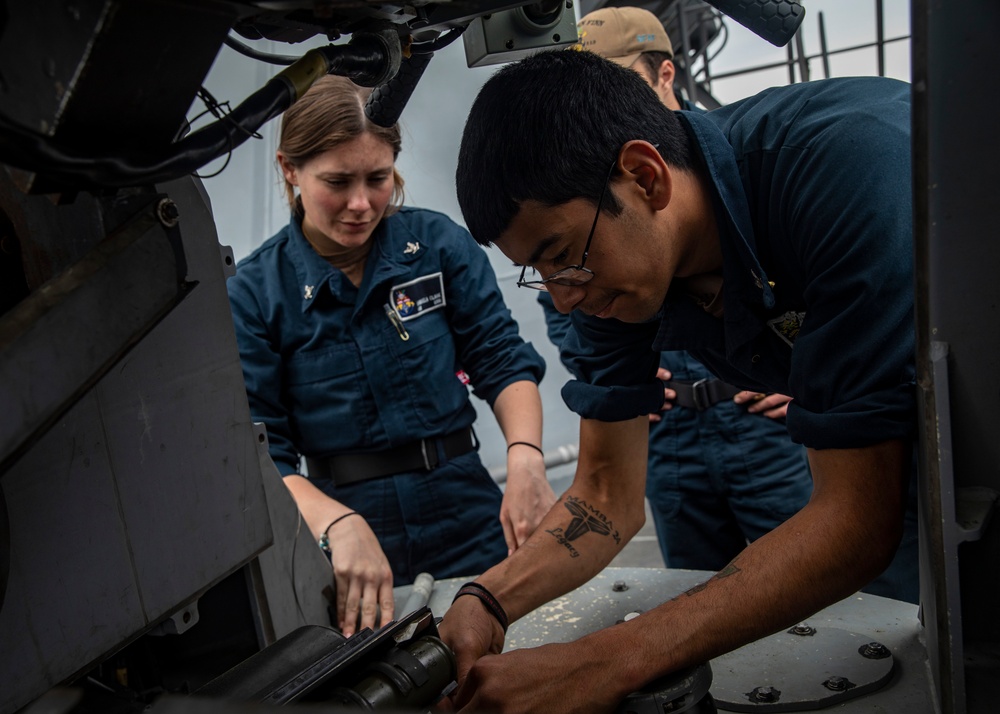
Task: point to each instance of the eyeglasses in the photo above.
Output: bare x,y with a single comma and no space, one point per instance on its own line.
572,275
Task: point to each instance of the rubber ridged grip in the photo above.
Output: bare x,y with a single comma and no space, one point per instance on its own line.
774,20
388,100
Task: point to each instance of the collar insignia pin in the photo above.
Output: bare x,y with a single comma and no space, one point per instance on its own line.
309,292
411,247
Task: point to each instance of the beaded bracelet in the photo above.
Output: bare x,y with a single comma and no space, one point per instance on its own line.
525,443
486,597
324,540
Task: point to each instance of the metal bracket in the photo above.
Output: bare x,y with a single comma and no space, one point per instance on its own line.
974,506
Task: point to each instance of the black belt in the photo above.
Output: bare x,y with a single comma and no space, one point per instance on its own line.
343,469
702,394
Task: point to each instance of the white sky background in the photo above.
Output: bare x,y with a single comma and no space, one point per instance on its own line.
249,206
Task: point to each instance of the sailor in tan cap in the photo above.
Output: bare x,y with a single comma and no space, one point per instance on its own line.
634,38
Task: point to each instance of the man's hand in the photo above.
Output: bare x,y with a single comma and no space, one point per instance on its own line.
669,395
527,497
552,678
844,537
773,406
609,486
362,574
471,632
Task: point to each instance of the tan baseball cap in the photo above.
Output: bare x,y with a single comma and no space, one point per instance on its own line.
621,34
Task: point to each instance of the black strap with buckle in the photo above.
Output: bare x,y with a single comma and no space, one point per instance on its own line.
418,455
703,394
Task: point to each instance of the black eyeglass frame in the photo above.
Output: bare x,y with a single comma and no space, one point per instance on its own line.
560,275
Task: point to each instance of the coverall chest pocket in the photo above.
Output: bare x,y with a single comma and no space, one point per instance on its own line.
326,397
428,363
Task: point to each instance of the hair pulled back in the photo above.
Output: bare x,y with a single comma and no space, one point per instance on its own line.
332,113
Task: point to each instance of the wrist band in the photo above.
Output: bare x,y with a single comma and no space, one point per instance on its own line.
525,443
486,597
324,540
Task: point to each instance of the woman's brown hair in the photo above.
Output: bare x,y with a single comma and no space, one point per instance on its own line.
332,113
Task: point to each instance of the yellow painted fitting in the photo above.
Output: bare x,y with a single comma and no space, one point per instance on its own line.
301,75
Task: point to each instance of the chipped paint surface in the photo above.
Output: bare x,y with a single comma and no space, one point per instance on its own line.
598,604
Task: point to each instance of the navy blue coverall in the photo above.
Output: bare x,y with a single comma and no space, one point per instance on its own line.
333,369
811,188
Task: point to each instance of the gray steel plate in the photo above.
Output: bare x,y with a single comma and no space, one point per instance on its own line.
798,672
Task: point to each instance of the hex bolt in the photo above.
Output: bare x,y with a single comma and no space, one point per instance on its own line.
874,650
619,586
802,630
764,694
167,213
837,684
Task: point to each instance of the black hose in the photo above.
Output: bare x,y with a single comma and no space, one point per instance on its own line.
368,59
248,51
68,165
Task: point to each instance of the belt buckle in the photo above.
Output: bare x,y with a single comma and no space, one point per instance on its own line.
423,452
699,392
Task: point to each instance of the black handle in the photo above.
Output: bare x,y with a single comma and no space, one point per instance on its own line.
388,100
774,20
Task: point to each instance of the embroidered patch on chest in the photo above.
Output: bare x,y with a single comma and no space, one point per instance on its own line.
787,326
413,299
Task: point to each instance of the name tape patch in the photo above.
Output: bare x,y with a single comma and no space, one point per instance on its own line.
425,294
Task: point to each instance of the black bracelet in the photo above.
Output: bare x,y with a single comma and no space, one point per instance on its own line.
525,443
486,597
324,540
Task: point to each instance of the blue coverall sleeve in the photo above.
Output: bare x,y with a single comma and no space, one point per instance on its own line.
489,346
261,369
615,373
615,368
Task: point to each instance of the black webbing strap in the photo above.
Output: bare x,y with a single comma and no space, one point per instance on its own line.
703,394
418,455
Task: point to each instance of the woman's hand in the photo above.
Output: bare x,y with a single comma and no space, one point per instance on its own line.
361,571
527,497
362,575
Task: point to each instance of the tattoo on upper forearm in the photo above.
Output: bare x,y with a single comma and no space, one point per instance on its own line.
730,569
586,519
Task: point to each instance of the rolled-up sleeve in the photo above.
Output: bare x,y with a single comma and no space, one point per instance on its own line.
615,369
490,348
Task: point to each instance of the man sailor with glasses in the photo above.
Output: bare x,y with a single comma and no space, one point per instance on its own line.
721,473
771,239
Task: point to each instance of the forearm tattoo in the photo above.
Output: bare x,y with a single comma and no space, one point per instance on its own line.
730,569
586,519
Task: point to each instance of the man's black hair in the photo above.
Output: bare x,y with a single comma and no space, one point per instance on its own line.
548,129
650,62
